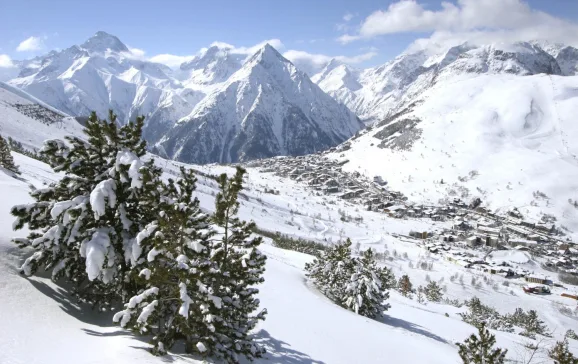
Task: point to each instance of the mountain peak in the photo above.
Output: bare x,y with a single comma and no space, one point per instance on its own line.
266,54
103,41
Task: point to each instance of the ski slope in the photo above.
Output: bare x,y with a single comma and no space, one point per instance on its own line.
44,326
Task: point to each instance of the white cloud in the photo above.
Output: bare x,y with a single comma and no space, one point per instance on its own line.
138,53
8,69
472,20
347,17
5,61
170,60
30,44
312,63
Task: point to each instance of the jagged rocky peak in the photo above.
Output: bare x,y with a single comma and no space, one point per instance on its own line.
267,108
567,59
102,42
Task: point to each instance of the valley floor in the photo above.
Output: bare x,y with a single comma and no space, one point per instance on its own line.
40,324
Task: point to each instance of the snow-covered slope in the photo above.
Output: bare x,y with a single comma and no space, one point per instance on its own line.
101,74
30,122
266,108
501,137
377,92
43,325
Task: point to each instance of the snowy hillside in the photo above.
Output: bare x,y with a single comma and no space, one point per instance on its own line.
504,138
29,122
267,108
302,326
101,74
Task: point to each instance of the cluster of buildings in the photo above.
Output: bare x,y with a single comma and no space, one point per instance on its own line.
471,225
327,177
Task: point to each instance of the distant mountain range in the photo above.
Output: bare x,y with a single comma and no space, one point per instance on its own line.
218,107
374,93
227,107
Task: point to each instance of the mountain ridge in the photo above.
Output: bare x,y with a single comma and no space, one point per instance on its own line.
266,108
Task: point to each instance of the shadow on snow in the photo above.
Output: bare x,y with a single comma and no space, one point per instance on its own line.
277,351
411,327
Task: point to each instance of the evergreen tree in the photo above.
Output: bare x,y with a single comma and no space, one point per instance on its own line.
6,159
561,354
479,314
174,273
357,284
237,266
83,227
533,325
481,350
365,293
420,296
404,286
517,318
331,272
387,278
433,292
571,334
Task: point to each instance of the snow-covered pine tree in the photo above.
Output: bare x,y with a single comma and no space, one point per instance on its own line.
388,280
533,325
332,270
238,266
571,334
433,292
6,159
481,350
561,354
404,285
479,314
365,293
420,296
175,272
83,227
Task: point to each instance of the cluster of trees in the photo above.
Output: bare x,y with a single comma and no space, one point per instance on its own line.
479,313
6,159
432,291
124,238
17,147
529,321
296,244
355,283
481,349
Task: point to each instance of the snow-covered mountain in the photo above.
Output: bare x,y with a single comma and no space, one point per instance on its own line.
101,74
505,138
278,109
376,92
213,66
265,109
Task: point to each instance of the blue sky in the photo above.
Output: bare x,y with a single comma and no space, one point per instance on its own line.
361,32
